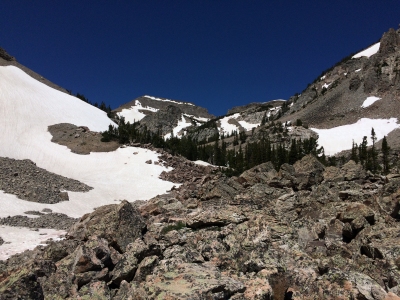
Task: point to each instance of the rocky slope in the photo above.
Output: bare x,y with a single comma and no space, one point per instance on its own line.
337,97
304,232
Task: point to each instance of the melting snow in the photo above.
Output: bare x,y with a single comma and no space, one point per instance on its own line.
358,70
326,85
369,51
133,114
19,239
369,101
181,124
167,100
341,138
28,107
227,128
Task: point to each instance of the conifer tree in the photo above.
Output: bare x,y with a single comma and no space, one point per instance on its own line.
354,155
385,155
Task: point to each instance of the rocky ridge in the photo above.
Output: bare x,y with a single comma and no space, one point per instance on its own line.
163,103
337,96
29,182
305,231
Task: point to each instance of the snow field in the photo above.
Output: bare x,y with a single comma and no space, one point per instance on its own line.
341,138
369,101
227,128
369,51
133,114
19,239
181,124
167,100
27,108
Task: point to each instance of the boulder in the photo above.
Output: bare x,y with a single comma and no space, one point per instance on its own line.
309,171
119,224
258,174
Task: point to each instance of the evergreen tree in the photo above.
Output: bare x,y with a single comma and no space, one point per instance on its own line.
354,155
362,152
373,153
385,155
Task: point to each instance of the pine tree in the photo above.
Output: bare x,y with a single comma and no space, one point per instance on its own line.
362,151
373,153
385,154
354,155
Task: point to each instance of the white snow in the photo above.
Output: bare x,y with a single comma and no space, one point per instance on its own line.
168,100
19,239
323,77
369,51
358,70
341,138
326,85
133,114
181,124
203,163
369,101
200,119
226,127
27,108
247,125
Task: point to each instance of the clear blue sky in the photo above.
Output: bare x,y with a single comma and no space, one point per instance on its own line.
214,53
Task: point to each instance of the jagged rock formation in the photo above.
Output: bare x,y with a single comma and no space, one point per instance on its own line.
255,106
163,121
304,232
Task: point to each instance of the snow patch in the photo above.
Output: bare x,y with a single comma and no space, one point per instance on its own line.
369,51
358,70
133,114
19,239
326,85
167,100
341,138
226,127
181,124
203,163
369,101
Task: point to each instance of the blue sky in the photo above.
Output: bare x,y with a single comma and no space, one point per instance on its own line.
214,53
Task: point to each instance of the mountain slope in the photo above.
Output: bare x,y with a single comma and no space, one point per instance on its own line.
27,108
363,86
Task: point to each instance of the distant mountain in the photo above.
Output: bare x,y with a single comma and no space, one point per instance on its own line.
358,93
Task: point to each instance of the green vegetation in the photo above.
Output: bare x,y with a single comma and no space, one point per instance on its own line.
368,158
177,226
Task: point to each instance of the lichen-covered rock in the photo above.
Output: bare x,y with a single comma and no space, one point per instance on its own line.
119,224
309,171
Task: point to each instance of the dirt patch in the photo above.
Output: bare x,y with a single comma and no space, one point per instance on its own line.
80,139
